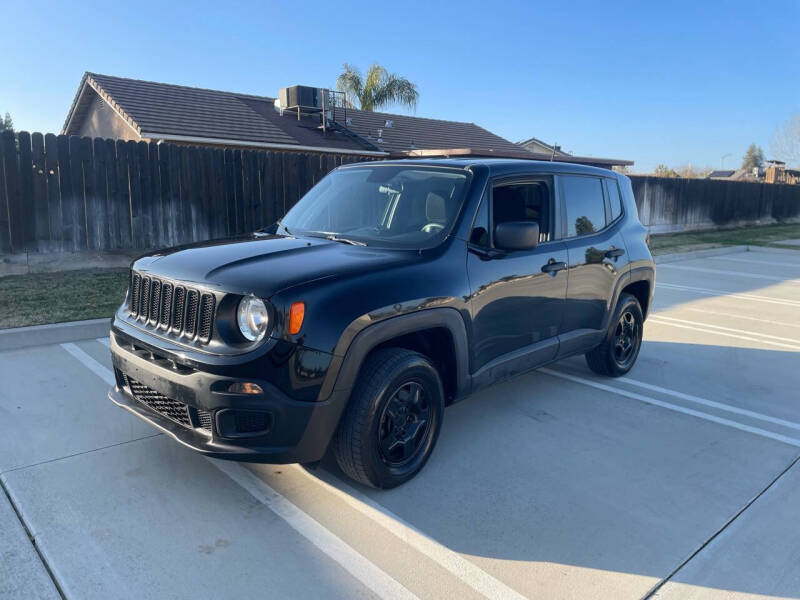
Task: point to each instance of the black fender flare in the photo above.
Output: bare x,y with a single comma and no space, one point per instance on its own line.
346,364
646,273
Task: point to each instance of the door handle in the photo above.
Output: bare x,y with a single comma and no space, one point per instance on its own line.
615,253
553,267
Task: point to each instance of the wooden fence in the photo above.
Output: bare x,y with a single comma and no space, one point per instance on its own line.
674,204
65,194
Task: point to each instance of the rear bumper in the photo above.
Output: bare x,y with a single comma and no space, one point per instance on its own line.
298,431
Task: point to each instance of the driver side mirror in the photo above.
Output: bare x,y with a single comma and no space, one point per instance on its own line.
516,235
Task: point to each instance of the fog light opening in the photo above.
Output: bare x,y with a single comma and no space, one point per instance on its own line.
245,387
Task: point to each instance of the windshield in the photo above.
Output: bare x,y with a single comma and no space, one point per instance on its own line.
400,206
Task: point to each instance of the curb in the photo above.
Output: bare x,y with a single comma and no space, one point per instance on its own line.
668,258
55,333
785,250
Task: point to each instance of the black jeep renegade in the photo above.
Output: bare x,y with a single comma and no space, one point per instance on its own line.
389,291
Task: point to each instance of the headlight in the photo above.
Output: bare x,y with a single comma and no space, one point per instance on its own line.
253,318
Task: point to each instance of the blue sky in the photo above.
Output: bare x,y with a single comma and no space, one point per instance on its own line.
657,83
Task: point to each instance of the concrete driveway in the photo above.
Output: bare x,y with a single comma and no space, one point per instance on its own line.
681,480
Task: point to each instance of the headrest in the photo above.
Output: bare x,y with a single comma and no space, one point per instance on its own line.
436,208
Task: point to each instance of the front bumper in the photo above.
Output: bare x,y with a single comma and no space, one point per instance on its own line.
298,431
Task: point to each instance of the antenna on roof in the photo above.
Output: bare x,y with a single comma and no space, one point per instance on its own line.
553,153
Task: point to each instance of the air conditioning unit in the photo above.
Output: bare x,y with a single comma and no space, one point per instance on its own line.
302,97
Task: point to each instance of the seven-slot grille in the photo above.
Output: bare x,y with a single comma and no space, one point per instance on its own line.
173,308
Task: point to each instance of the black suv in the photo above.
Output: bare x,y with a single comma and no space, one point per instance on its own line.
389,291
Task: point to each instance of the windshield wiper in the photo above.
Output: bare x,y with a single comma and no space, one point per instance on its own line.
336,238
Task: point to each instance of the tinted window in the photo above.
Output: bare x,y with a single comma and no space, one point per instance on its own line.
586,211
528,201
614,198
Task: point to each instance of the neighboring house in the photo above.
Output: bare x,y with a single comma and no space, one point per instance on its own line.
539,147
721,174
130,109
544,151
752,175
777,172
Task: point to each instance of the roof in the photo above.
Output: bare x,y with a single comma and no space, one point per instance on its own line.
555,151
174,112
518,153
550,147
720,174
496,165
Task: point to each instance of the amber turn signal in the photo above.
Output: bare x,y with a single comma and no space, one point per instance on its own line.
245,387
296,314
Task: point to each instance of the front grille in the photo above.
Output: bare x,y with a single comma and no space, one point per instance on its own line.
192,305
180,310
206,317
167,407
166,306
204,417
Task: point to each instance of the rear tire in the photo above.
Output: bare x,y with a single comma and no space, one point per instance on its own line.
392,421
618,352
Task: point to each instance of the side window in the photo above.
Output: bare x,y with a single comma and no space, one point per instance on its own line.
614,198
479,236
529,201
586,211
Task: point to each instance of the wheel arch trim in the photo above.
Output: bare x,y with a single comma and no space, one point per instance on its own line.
635,274
344,369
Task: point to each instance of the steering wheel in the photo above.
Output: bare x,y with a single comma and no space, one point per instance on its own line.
432,227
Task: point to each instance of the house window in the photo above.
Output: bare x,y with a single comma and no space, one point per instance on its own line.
586,211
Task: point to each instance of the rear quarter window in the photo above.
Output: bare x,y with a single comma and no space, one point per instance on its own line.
614,198
585,207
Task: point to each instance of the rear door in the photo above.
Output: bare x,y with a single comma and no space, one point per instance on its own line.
596,254
517,297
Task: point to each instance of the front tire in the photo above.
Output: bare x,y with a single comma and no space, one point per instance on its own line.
392,421
618,352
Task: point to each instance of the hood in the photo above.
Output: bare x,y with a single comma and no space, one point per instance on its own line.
266,264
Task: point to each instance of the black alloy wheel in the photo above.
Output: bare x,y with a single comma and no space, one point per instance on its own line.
392,420
618,351
627,337
404,424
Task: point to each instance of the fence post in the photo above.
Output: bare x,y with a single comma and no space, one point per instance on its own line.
13,197
27,208
5,229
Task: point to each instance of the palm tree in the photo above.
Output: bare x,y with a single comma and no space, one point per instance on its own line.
378,89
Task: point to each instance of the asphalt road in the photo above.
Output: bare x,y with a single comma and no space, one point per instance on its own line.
681,480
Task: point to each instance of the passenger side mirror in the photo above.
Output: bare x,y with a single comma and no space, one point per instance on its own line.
516,235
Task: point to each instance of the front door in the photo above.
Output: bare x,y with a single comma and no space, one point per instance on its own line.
517,297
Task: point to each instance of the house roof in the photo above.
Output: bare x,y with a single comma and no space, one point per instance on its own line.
720,174
174,112
550,147
556,152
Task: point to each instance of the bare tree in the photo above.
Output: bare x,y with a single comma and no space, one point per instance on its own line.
6,123
785,143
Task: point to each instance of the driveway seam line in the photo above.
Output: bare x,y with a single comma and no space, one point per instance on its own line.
32,539
53,460
686,561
